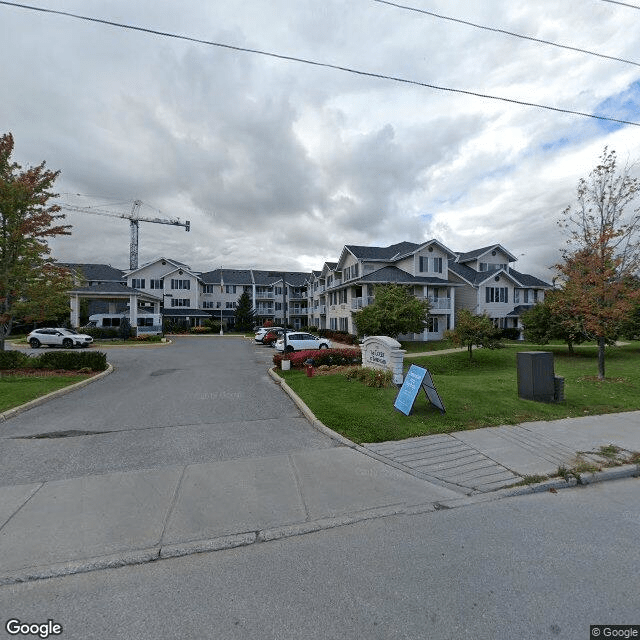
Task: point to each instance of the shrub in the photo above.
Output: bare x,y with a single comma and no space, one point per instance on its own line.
72,360
321,357
338,336
510,333
13,359
148,338
371,377
201,329
97,333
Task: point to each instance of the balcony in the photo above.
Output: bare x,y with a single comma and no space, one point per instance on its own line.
264,295
438,303
358,303
264,310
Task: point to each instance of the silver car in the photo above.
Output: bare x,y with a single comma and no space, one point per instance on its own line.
53,337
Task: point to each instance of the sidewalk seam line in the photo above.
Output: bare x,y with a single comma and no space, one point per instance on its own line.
169,513
21,506
298,486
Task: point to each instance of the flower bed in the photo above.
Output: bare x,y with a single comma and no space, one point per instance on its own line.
320,357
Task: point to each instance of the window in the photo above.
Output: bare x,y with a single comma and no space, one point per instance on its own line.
278,291
424,264
278,306
209,288
180,284
344,324
145,322
231,305
208,304
432,325
333,324
437,265
497,294
180,302
156,284
137,283
230,288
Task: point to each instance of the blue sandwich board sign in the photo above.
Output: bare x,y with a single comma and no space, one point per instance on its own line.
417,378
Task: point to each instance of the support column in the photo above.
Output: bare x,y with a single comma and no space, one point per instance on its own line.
133,310
75,310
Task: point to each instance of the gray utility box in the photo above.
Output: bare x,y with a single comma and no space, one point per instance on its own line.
536,380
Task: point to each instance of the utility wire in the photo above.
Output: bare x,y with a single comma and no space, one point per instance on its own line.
509,33
315,63
624,4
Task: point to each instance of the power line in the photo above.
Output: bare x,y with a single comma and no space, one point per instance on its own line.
315,63
624,4
508,33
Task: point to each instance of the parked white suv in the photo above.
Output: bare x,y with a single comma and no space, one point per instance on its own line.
67,338
297,341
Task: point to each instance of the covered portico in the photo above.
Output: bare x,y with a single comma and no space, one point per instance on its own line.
112,294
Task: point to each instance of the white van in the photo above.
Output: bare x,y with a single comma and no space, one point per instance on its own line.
148,323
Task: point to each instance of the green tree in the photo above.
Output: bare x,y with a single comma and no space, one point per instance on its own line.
244,313
473,330
603,253
394,311
27,220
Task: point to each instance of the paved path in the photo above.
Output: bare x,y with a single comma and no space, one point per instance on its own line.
181,449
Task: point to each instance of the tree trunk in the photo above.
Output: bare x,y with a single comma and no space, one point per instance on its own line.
601,346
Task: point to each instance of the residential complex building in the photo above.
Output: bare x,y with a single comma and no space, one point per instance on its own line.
482,281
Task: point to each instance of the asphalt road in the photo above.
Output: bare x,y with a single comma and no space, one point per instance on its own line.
536,567
200,399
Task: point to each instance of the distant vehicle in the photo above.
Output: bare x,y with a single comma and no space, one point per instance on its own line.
271,337
53,337
262,332
301,341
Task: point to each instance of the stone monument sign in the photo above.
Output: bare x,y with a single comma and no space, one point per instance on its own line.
382,352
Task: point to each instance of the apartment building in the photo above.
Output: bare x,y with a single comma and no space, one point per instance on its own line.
481,280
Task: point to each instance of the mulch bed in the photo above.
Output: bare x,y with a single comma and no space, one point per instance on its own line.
45,373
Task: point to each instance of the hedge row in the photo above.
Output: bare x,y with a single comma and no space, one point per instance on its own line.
320,357
64,360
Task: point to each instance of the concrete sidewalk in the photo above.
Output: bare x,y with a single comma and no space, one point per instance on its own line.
79,524
492,458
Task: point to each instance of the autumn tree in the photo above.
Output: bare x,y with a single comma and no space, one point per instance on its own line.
602,254
27,221
474,330
394,311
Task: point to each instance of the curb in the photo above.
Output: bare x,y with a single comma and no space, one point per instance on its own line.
221,543
470,496
552,485
317,424
10,413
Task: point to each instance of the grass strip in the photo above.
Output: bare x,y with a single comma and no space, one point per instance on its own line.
478,393
15,390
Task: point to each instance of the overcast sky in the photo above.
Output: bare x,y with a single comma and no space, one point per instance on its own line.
278,164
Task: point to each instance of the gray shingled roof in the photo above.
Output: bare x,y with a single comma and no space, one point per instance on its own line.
467,273
96,272
397,276
382,253
528,280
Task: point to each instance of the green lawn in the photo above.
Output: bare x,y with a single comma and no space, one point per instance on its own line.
16,390
479,393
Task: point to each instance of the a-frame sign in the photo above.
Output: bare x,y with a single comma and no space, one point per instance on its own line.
417,378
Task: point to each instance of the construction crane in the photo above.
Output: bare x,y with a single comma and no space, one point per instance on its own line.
134,219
